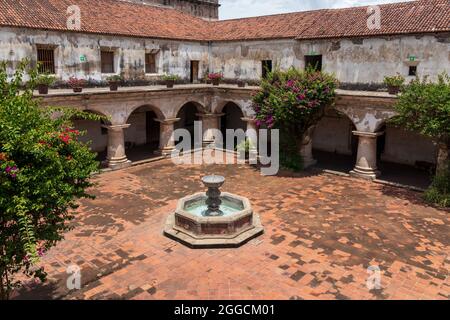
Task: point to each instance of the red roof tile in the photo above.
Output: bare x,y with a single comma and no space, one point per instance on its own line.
420,16
122,18
104,17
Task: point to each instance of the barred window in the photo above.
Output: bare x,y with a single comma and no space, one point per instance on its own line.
107,58
46,60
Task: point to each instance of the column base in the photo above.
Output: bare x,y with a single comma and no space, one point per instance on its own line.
367,174
307,163
118,164
164,152
208,144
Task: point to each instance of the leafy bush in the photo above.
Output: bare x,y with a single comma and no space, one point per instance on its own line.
45,79
44,169
293,101
170,77
394,81
115,78
439,192
424,107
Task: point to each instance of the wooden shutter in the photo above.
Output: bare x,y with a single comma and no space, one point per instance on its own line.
107,58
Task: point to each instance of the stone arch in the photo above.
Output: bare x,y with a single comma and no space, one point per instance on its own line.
334,145
231,118
187,115
198,105
366,119
96,133
142,137
218,108
159,114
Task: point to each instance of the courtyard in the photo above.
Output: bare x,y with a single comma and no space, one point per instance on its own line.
322,233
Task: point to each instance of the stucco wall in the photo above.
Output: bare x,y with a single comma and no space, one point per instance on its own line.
358,61
172,56
407,147
362,61
333,134
93,129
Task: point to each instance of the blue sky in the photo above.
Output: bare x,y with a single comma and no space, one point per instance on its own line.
247,8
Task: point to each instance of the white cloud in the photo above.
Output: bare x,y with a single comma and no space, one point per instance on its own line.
249,8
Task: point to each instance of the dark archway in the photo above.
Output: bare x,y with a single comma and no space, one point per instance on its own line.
335,147
405,157
188,114
232,119
142,137
95,134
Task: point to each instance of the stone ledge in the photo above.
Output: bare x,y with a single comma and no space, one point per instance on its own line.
213,243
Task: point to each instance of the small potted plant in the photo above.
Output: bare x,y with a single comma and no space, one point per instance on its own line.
170,79
114,82
43,82
215,78
76,84
394,83
241,83
245,147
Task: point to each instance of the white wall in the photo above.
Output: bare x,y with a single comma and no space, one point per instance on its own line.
93,134
407,147
333,134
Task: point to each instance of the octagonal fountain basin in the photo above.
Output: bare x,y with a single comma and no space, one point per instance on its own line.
213,220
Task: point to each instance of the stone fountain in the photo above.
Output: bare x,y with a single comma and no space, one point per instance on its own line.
213,219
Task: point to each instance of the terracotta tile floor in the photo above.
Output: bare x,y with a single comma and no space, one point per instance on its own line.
322,233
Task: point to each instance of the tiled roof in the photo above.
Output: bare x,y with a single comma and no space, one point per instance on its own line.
123,18
420,16
104,17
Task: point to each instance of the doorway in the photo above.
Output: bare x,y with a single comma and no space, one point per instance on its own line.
194,71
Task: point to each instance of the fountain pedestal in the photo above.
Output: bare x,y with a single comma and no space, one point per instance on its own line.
213,219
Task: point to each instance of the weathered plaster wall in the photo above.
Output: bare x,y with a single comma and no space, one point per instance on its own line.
172,56
407,147
242,60
333,134
357,61
93,129
361,62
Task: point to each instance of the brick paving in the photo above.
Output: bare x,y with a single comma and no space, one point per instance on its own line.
322,232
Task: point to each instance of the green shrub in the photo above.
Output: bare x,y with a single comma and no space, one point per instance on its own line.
394,81
170,77
45,79
293,101
439,192
44,169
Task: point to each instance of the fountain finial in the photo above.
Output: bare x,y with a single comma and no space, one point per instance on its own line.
213,183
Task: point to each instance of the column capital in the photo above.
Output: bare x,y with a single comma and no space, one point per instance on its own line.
368,134
210,115
248,119
168,121
116,126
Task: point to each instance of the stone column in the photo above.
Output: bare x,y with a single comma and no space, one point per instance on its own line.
166,139
210,122
116,158
366,163
306,148
252,135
